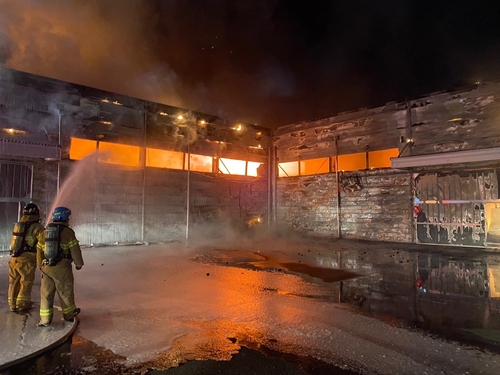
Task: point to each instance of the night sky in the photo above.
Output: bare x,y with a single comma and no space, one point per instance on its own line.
268,62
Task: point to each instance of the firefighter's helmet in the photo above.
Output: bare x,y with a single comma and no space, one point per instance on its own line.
61,214
31,209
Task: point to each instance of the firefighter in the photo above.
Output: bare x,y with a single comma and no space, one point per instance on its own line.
22,264
57,249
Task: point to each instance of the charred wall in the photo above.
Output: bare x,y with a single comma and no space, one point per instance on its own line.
110,205
376,206
373,205
218,206
308,204
376,203
469,217
456,121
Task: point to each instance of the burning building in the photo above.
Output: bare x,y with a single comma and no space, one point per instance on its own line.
130,170
425,170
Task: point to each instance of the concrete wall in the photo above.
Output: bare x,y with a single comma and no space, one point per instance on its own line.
308,204
378,210
111,204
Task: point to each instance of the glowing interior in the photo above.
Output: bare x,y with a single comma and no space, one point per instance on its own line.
200,163
81,147
288,169
164,158
121,154
494,279
492,217
352,162
231,166
252,168
314,166
382,158
114,153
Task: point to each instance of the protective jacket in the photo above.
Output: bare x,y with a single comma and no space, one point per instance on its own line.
22,268
59,277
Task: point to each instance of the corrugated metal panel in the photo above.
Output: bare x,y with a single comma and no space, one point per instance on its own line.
33,150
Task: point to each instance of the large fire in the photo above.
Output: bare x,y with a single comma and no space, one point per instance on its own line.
164,158
128,155
81,148
119,154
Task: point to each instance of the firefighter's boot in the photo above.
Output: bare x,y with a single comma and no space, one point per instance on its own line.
71,317
24,306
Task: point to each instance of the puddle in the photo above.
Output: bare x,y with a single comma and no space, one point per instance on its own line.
79,356
456,295
303,265
328,275
261,360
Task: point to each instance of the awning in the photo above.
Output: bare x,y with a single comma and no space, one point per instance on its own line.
487,155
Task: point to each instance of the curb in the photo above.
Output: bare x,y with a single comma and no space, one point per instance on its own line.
35,354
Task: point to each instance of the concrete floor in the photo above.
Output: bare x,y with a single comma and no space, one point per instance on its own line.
159,306
20,339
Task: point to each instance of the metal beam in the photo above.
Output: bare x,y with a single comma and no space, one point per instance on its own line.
34,150
457,157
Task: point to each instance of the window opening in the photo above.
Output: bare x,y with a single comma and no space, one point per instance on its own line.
382,158
232,166
314,166
352,162
288,169
80,148
199,163
252,167
114,153
164,158
15,181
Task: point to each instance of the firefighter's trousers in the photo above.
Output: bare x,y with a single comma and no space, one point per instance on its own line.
58,278
21,278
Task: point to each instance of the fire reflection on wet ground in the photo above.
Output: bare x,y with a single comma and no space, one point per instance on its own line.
80,356
454,294
272,262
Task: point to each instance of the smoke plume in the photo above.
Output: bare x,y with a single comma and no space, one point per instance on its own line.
267,62
145,49
102,44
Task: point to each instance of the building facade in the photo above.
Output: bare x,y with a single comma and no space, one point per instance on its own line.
422,171
130,170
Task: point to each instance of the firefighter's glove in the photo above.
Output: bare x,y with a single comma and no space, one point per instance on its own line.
79,268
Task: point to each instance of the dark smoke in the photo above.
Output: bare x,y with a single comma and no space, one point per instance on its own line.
5,49
267,62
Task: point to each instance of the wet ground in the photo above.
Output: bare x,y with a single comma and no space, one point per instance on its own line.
78,356
321,307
